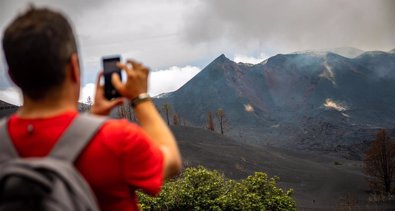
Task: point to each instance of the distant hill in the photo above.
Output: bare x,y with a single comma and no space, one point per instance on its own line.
310,100
7,109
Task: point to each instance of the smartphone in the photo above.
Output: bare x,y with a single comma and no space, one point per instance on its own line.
110,67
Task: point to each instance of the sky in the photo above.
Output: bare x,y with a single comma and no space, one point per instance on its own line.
178,38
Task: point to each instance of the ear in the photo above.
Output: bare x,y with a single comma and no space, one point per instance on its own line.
75,68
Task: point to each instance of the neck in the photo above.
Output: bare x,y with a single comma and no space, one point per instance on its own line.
46,107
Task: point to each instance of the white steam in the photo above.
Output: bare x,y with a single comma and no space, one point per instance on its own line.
328,73
248,108
333,105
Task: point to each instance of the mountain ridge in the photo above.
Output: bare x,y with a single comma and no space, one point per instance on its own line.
348,52
7,109
306,95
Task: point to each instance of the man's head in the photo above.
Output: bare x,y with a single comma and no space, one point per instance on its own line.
38,46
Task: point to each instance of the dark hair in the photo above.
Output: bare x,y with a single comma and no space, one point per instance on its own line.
38,45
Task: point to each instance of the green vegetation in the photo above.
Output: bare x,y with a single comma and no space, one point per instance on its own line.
202,189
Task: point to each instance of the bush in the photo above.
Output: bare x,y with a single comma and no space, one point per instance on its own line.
202,189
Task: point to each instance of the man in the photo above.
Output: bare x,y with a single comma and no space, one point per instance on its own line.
42,58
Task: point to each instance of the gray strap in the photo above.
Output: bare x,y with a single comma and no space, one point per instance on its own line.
7,149
76,137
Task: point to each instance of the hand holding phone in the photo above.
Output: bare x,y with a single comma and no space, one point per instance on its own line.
136,81
107,96
102,106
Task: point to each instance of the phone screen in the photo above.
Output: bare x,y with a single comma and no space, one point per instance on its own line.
109,67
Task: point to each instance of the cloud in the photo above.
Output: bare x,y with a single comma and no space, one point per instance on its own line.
86,91
11,95
288,25
250,60
195,31
170,79
161,81
143,30
169,33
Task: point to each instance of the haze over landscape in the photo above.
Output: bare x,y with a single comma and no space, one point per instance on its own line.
304,85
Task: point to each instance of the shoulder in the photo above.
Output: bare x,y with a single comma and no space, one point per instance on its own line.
115,126
119,128
122,134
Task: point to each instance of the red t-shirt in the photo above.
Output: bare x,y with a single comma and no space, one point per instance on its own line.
118,160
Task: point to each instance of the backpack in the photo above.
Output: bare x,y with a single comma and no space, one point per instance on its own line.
48,183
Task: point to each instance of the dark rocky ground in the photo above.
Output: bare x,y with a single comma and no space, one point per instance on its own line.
320,182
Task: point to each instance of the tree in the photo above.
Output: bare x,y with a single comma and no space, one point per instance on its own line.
183,122
379,163
202,189
126,111
131,116
176,120
122,113
89,103
210,122
222,121
86,106
166,109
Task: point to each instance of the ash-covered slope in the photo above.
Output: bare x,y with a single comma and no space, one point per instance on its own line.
304,82
329,102
307,100
317,181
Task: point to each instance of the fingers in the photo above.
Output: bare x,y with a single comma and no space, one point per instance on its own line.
122,66
98,86
135,65
117,83
128,68
117,102
136,82
138,66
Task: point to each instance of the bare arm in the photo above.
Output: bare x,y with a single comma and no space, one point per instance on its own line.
153,124
149,118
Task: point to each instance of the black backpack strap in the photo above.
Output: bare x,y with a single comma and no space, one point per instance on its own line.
7,149
76,137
